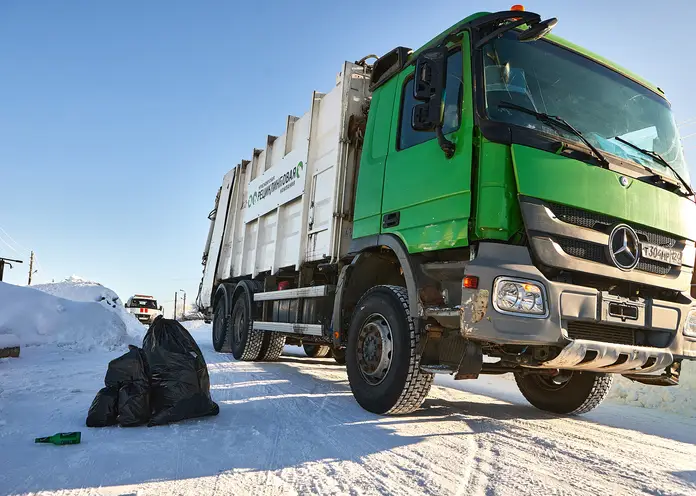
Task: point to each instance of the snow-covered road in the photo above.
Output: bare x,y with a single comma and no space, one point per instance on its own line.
292,427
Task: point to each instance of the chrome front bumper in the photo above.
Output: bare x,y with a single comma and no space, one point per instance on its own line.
568,303
611,358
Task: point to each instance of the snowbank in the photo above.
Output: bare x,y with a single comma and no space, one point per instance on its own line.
679,399
9,341
38,317
78,289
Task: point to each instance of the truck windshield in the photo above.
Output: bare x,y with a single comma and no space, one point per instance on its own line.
599,102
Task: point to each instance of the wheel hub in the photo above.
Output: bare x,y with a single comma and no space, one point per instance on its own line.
375,349
554,383
238,321
218,324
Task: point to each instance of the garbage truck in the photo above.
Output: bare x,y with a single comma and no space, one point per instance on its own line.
498,201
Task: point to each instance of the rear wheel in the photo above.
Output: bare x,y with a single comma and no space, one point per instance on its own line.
381,359
569,393
272,347
221,340
246,342
316,350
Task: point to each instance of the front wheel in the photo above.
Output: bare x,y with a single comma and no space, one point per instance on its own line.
381,358
569,393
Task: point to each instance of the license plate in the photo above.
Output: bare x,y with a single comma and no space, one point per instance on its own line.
661,254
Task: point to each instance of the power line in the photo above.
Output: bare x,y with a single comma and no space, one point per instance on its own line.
9,246
687,124
687,121
13,240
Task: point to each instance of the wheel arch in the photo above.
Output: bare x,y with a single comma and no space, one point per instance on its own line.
377,260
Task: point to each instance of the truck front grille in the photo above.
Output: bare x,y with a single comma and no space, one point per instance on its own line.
597,253
607,333
582,249
604,223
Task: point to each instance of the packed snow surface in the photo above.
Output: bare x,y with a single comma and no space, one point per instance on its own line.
293,427
76,314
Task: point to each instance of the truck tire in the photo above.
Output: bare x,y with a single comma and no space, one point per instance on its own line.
246,342
381,359
580,393
272,347
221,334
316,350
339,355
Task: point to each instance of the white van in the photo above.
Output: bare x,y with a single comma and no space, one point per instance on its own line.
144,307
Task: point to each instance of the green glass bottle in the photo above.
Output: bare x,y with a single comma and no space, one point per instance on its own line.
60,438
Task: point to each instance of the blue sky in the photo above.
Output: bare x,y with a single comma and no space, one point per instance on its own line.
119,119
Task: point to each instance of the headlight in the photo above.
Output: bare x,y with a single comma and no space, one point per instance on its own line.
690,324
523,298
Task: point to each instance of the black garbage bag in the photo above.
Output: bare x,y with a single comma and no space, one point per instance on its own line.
102,412
180,385
133,404
130,367
125,399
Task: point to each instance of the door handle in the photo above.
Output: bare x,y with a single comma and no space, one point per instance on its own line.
391,220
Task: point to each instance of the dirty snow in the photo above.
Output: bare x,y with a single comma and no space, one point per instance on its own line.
292,427
679,399
96,320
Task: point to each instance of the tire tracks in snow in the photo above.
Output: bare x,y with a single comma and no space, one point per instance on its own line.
460,443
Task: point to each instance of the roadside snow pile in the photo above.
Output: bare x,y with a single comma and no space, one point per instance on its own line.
9,341
37,318
679,399
78,289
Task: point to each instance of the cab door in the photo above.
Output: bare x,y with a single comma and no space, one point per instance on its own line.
427,197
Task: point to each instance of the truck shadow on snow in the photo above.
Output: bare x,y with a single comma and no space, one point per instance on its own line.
687,475
273,416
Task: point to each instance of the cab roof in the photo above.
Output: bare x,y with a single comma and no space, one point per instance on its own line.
553,38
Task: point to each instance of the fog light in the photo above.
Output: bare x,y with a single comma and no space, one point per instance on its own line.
690,324
523,298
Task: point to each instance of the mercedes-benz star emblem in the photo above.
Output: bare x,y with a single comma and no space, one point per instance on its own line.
624,247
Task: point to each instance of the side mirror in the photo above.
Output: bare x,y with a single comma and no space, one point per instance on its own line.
538,30
428,85
160,308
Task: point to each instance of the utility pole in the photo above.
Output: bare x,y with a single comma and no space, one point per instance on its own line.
31,267
6,261
183,309
176,294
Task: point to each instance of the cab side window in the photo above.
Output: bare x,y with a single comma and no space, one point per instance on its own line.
453,95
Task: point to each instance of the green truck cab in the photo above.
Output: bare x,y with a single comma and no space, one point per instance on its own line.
498,193
563,247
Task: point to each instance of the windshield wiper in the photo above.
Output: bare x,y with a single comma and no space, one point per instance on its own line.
657,157
558,123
